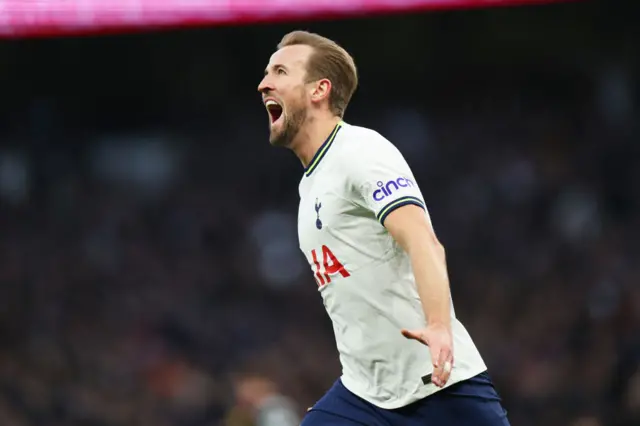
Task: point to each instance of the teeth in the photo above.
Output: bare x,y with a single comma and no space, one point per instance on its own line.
270,103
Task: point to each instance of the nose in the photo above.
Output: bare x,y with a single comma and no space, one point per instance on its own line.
265,85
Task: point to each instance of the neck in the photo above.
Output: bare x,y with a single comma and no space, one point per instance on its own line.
312,136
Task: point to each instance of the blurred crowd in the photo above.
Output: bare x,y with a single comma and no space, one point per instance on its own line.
150,274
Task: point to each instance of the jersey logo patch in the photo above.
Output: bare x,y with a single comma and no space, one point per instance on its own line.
388,188
318,221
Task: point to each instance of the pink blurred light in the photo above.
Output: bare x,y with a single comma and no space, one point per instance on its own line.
23,18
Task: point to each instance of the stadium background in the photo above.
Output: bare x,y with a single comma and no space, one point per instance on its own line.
148,245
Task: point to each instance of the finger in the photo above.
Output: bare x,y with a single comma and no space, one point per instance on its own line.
413,335
447,366
445,360
438,368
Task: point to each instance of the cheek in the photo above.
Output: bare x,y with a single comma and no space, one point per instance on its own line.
302,99
294,97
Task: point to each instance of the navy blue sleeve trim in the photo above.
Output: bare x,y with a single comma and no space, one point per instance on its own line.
404,201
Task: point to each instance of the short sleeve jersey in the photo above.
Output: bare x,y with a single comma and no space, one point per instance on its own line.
356,179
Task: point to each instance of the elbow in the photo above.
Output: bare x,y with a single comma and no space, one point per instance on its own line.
418,248
438,247
442,252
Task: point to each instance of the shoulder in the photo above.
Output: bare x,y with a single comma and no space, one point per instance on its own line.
363,147
365,142
366,150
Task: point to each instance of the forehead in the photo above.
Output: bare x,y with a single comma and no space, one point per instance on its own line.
291,56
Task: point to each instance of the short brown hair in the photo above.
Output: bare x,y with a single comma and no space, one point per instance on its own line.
331,61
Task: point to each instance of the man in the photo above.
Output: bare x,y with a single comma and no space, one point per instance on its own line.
365,231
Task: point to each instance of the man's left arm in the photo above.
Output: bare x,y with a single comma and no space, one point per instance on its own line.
388,188
412,230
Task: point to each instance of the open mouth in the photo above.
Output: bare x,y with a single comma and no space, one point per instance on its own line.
274,109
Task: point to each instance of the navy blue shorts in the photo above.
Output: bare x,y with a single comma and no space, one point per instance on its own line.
472,402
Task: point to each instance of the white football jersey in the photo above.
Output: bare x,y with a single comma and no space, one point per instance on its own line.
365,278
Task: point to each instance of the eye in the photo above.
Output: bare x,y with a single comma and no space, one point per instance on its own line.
281,71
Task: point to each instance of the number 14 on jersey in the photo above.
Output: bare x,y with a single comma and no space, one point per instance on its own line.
330,266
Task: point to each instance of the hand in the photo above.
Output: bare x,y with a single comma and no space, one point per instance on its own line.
440,342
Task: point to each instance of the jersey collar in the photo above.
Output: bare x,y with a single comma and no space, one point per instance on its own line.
323,150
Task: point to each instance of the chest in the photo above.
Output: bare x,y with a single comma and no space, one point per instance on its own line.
337,234
327,224
325,213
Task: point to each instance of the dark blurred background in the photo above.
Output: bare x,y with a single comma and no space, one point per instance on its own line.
148,247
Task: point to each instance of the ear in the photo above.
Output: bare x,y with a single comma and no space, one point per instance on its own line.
321,90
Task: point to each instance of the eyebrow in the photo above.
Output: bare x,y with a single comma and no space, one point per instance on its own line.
274,66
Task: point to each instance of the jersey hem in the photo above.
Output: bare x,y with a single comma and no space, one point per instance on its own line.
403,402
